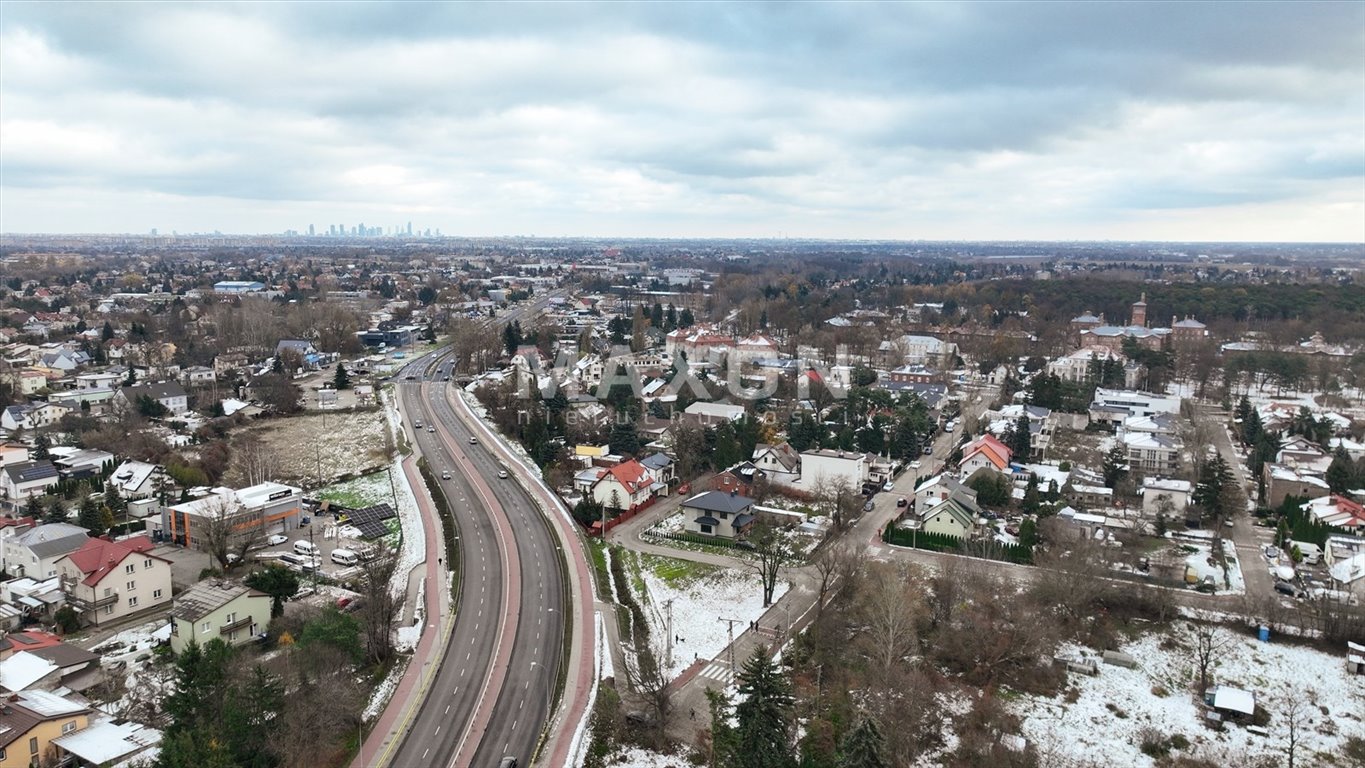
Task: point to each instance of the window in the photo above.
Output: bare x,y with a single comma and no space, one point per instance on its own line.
147,563
130,586
69,727
33,746
108,591
156,594
132,602
206,626
705,528
108,610
231,617
129,568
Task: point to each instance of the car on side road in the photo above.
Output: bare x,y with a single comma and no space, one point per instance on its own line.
276,539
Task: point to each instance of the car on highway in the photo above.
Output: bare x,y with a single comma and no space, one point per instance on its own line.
473,440
508,762
276,539
502,474
445,474
431,429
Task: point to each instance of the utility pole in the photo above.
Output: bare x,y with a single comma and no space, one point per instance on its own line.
730,648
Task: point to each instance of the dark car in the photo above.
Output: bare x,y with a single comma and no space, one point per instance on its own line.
902,502
868,506
1285,588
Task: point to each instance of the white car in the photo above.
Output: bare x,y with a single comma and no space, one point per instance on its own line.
276,539
502,474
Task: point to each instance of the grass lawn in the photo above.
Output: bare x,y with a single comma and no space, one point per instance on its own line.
677,573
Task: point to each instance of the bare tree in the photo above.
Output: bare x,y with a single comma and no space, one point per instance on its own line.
256,461
772,552
839,498
1209,643
1296,717
832,563
226,531
378,606
890,609
647,674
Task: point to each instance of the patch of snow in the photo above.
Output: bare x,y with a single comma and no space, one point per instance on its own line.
384,691
1278,674
635,757
1204,564
698,608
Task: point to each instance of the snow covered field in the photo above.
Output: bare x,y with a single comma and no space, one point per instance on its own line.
337,443
1199,562
1103,726
698,605
634,757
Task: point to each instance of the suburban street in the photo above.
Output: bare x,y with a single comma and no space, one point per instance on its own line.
1250,541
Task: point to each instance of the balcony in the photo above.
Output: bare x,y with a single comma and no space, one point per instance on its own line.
241,623
91,603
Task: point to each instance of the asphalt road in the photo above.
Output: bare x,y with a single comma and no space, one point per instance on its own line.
491,697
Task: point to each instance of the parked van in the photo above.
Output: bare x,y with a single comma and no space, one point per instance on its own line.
1312,553
307,548
345,557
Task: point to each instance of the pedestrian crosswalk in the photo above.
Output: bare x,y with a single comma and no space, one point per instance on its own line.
719,671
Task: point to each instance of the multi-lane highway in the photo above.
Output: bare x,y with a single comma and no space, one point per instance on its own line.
492,695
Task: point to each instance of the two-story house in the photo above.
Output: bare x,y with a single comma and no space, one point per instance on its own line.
19,482
213,609
35,552
713,513
168,393
985,452
782,463
29,723
106,581
625,486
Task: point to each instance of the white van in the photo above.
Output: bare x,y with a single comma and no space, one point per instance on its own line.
307,548
345,557
1312,553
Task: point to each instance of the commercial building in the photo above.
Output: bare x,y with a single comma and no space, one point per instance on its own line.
261,510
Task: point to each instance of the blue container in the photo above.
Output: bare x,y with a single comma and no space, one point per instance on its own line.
1264,634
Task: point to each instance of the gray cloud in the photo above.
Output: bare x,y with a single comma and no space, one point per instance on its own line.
839,119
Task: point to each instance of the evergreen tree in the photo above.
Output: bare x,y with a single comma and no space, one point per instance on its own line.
1211,493
1115,465
1028,534
35,508
107,333
656,315
1053,493
1021,439
42,445
131,378
763,716
56,511
342,379
1341,473
624,440
1032,499
278,582
91,517
685,319
863,747
1243,411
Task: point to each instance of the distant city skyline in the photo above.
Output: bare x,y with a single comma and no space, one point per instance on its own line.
1204,122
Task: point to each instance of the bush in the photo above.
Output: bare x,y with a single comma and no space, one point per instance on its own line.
68,620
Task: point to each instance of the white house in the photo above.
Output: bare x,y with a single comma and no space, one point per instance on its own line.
1115,405
937,489
35,552
136,479
829,465
714,413
1153,452
19,482
169,393
714,513
624,486
1155,489
782,462
106,581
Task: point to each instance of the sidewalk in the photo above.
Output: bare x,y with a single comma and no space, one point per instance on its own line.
388,730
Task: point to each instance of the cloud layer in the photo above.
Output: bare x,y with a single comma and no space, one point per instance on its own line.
1243,121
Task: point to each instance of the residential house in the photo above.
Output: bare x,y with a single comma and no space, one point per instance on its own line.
1079,365
1039,421
958,516
35,552
106,581
1152,452
19,482
30,723
1337,511
1112,406
106,741
35,600
752,348
827,465
713,513
218,609
168,393
781,463
80,463
626,486
50,667
661,467
1156,491
137,479
738,479
1281,481
198,376
13,453
30,416
258,510
27,640
97,380
985,452
938,488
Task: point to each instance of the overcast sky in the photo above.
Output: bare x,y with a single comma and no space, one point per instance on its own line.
1188,121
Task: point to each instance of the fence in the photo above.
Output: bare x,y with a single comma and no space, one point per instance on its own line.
942,542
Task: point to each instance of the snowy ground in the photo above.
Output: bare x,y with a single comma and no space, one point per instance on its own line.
1103,725
1203,563
698,605
144,684
374,488
634,757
